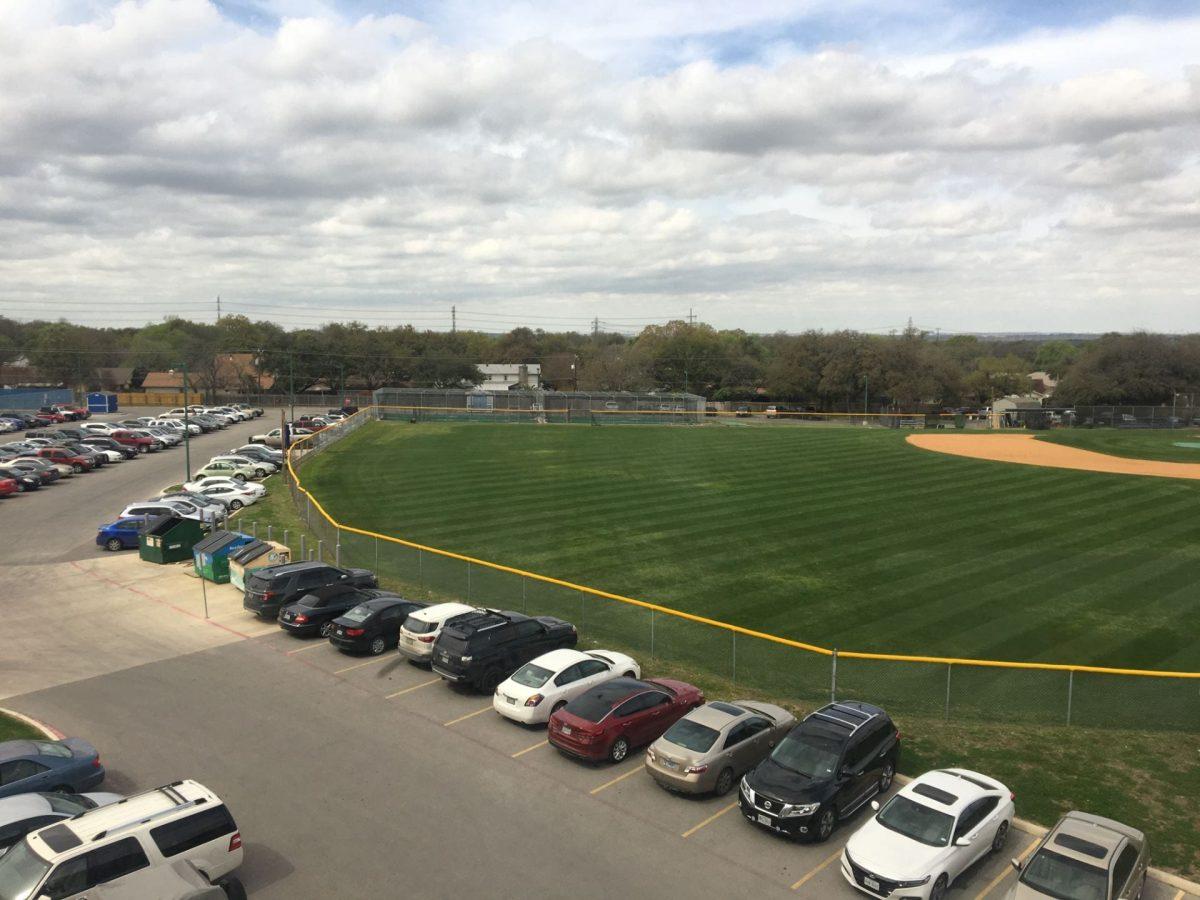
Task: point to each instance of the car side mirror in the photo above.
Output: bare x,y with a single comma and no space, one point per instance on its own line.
963,841
875,805
1016,864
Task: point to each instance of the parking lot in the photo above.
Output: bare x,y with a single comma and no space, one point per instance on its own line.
353,776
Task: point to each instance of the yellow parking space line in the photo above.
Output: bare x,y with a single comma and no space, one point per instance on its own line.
803,881
609,784
267,630
309,647
709,820
995,882
415,687
478,712
369,662
528,749
1178,896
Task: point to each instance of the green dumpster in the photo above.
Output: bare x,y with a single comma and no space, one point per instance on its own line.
169,539
211,555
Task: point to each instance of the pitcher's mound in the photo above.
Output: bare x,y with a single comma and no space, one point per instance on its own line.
1027,450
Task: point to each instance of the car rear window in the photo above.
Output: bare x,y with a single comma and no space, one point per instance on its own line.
453,643
417,626
360,613
598,702
532,676
192,831
692,735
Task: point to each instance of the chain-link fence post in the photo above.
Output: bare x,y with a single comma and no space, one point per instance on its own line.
468,582
420,575
1070,692
949,668
833,678
303,550
286,543
337,553
651,635
733,661
270,528
376,555
320,551
254,529
524,597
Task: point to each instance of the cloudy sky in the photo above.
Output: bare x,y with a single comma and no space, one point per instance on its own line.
771,165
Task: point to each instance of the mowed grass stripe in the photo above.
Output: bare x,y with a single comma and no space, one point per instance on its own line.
829,535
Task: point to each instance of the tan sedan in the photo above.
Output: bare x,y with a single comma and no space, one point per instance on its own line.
712,746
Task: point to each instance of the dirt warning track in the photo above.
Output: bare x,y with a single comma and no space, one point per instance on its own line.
1027,450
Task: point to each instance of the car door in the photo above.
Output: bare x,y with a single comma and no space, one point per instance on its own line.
628,719
656,717
757,743
570,683
968,826
19,776
528,642
73,878
1126,874
591,673
854,778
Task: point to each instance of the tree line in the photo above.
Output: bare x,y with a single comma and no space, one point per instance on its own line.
827,370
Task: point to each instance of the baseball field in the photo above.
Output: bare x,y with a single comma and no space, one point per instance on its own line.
844,537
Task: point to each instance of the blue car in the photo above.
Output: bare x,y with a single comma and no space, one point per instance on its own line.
71,765
121,534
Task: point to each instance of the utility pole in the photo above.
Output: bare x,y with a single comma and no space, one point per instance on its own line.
187,430
292,382
866,387
691,316
218,307
453,319
595,327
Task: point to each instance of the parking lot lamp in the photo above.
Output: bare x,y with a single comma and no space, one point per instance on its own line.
187,428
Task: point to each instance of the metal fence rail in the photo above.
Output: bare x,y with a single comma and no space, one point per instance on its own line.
1018,692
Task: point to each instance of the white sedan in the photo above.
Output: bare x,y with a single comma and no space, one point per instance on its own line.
232,496
208,481
554,679
928,834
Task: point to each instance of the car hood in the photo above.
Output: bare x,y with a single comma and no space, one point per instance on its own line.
891,854
784,784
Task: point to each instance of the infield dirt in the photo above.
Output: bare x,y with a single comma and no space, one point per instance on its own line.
1025,449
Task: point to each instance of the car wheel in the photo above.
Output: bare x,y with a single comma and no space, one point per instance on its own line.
20,487
113,544
1001,837
939,888
240,477
232,887
629,675
62,789
78,469
825,825
235,504
619,749
724,783
326,629
557,706
261,473
378,645
490,681
886,776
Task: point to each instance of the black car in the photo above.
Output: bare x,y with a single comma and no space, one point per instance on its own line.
109,444
372,626
827,767
485,647
314,613
271,588
25,419
345,410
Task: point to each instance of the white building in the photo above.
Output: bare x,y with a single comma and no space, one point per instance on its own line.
506,376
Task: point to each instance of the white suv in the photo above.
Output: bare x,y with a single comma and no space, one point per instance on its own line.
421,629
104,850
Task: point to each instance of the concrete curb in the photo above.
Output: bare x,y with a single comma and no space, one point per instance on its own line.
1039,832
51,733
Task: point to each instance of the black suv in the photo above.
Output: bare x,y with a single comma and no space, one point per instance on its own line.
828,766
272,587
483,648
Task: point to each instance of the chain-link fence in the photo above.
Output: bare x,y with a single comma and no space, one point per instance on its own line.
527,405
917,686
1181,414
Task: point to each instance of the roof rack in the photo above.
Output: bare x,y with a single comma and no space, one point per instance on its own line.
181,803
844,715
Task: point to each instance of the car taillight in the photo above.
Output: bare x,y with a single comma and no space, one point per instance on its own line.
354,632
427,639
695,770
267,595
1012,795
302,618
235,842
96,763
534,700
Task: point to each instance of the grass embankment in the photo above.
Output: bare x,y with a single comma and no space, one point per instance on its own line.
851,532
15,730
1135,443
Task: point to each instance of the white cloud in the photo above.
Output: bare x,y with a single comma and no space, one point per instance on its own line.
157,149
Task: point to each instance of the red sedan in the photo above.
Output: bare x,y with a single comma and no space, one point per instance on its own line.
8,486
608,720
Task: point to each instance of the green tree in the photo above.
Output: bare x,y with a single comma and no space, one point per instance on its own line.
1055,357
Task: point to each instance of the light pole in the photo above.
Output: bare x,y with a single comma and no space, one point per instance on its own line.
866,387
187,428
1174,400
292,383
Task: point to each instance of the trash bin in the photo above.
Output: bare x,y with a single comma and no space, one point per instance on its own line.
211,555
255,555
102,403
169,539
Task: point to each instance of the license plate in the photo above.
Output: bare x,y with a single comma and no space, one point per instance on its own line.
670,764
341,631
445,657
511,700
871,883
566,729
764,820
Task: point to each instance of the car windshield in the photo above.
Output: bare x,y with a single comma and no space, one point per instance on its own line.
532,676
807,754
21,870
68,803
360,613
1060,876
692,735
917,821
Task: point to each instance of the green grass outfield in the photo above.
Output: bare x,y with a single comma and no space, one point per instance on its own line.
1157,443
843,537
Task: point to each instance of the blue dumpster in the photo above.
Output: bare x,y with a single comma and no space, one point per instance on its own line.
101,403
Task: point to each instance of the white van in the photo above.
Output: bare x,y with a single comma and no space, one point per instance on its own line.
104,851
421,629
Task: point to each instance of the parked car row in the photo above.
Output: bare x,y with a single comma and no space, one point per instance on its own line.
12,420
58,839
799,779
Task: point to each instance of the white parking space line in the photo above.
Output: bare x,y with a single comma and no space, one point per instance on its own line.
709,820
619,778
478,712
309,647
415,687
803,881
520,753
995,882
369,662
